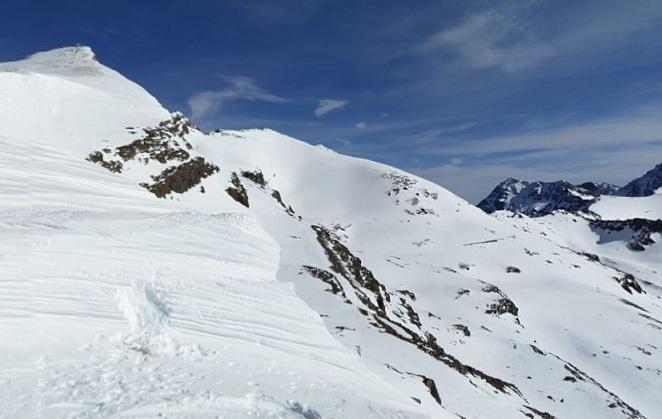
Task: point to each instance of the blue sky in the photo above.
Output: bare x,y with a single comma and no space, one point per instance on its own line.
465,93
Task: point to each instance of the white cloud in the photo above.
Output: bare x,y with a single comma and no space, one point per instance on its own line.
344,142
361,125
480,41
207,103
519,36
325,106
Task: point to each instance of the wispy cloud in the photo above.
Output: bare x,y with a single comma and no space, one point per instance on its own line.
491,38
238,88
361,125
518,36
641,126
611,149
325,106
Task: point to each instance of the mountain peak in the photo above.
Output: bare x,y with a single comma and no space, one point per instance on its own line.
78,60
79,53
500,197
99,101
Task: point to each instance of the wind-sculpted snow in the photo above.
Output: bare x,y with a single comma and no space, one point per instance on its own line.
114,304
291,281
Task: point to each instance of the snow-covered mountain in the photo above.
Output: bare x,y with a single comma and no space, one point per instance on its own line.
645,185
153,270
635,218
537,199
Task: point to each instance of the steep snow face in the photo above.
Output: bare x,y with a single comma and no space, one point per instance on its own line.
646,185
537,199
435,308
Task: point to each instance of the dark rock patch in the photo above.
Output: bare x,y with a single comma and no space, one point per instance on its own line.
503,305
462,328
98,158
237,190
432,388
328,278
629,283
256,176
160,143
288,209
180,178
535,413
408,294
590,256
537,350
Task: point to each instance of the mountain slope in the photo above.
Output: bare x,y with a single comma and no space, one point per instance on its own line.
434,307
645,185
117,303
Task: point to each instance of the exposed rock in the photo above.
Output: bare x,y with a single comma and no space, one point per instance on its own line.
180,178
328,278
462,328
255,176
237,190
501,306
112,165
288,209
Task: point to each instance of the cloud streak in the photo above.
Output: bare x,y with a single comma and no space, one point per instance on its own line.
208,103
324,106
629,129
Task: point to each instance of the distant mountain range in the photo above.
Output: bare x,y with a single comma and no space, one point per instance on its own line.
536,199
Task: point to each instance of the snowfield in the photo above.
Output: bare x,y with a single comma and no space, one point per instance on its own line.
152,270
624,208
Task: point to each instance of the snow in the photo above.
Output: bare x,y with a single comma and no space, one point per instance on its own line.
624,208
118,303
62,97
114,302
